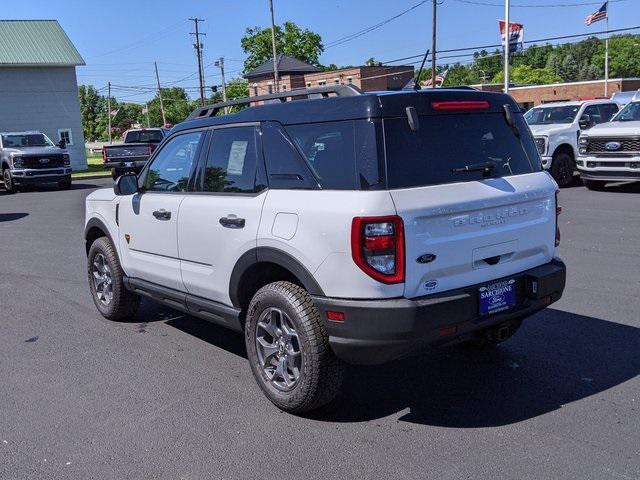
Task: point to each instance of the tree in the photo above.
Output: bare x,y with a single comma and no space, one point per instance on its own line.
304,45
526,75
93,111
624,60
569,69
177,106
372,62
128,115
236,88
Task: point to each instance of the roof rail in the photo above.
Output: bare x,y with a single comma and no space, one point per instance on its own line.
308,93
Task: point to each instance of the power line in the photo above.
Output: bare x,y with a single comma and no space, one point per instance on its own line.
557,5
371,28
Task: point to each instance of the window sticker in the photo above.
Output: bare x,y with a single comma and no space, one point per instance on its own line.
236,157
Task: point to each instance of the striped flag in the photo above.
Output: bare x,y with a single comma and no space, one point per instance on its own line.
599,15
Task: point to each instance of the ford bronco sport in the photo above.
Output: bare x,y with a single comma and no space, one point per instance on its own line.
335,227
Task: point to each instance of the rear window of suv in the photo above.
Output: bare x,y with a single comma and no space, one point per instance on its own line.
444,143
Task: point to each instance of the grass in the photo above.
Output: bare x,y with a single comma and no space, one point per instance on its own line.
95,167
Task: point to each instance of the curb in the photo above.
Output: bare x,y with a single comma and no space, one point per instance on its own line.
91,177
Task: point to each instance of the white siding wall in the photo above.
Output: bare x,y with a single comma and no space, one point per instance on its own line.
44,99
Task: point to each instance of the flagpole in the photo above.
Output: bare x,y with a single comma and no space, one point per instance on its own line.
606,57
507,45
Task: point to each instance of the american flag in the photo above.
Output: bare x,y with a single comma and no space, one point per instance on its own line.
597,16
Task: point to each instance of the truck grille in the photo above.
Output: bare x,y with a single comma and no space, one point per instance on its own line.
628,145
43,161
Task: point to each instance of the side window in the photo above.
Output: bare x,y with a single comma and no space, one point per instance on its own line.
232,161
329,149
594,114
608,110
286,169
172,167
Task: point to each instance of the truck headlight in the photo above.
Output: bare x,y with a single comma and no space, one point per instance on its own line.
66,159
583,142
541,144
18,162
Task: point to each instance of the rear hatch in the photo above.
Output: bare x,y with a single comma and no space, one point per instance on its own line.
465,228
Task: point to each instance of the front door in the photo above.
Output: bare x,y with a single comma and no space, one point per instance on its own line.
219,222
149,220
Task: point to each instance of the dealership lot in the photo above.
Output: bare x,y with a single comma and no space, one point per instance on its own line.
170,396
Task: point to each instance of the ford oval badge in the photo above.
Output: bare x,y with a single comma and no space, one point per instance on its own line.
612,146
426,258
430,285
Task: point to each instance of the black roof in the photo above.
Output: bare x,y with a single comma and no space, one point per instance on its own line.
364,106
286,64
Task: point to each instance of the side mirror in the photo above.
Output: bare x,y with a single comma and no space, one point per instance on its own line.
126,185
585,122
62,144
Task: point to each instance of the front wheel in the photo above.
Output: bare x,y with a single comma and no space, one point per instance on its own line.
9,186
594,185
106,283
65,184
288,349
562,168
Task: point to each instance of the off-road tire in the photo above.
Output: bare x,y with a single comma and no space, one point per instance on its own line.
594,185
562,169
124,304
9,186
321,372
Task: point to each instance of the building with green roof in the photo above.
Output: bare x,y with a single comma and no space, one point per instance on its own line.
38,84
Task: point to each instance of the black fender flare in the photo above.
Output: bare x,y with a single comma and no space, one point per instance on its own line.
275,256
95,223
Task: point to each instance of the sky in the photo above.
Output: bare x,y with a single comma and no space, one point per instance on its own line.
120,39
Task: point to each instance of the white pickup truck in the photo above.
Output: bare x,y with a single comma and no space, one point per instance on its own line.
556,128
611,152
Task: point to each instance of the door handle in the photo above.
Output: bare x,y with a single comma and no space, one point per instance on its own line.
162,214
231,221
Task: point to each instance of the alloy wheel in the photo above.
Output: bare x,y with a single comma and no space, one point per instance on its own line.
102,280
278,348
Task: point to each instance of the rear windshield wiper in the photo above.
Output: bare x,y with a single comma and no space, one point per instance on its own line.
486,168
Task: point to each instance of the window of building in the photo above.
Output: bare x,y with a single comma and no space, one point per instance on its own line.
65,134
322,83
337,81
270,88
255,90
350,80
308,84
232,161
284,88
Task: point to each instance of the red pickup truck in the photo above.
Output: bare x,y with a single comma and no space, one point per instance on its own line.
132,155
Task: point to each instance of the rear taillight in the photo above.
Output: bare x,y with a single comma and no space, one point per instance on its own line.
104,154
558,212
377,247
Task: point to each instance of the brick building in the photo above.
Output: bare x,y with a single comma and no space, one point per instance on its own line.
532,95
296,74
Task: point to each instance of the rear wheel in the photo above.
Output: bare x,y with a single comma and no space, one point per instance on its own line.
8,181
562,168
106,282
594,185
288,349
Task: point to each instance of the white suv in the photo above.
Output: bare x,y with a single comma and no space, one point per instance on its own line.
556,128
339,227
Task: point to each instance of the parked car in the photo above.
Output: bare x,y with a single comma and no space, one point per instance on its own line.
31,158
623,98
611,152
556,128
132,155
341,227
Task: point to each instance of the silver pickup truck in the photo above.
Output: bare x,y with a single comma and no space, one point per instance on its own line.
30,158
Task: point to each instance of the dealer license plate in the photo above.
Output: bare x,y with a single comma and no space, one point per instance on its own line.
497,297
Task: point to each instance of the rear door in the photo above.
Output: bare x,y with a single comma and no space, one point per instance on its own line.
219,222
461,228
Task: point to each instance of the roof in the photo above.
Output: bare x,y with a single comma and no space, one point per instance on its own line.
286,64
36,43
366,106
576,103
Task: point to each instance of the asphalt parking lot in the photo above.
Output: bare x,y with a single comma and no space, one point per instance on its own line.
170,396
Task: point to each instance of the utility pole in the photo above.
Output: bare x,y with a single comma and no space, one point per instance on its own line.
433,46
220,63
146,110
275,53
109,109
507,45
164,117
606,57
198,46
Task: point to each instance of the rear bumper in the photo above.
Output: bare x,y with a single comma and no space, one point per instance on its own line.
126,165
377,331
34,176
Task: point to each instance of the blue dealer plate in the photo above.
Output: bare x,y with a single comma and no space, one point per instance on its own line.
497,297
